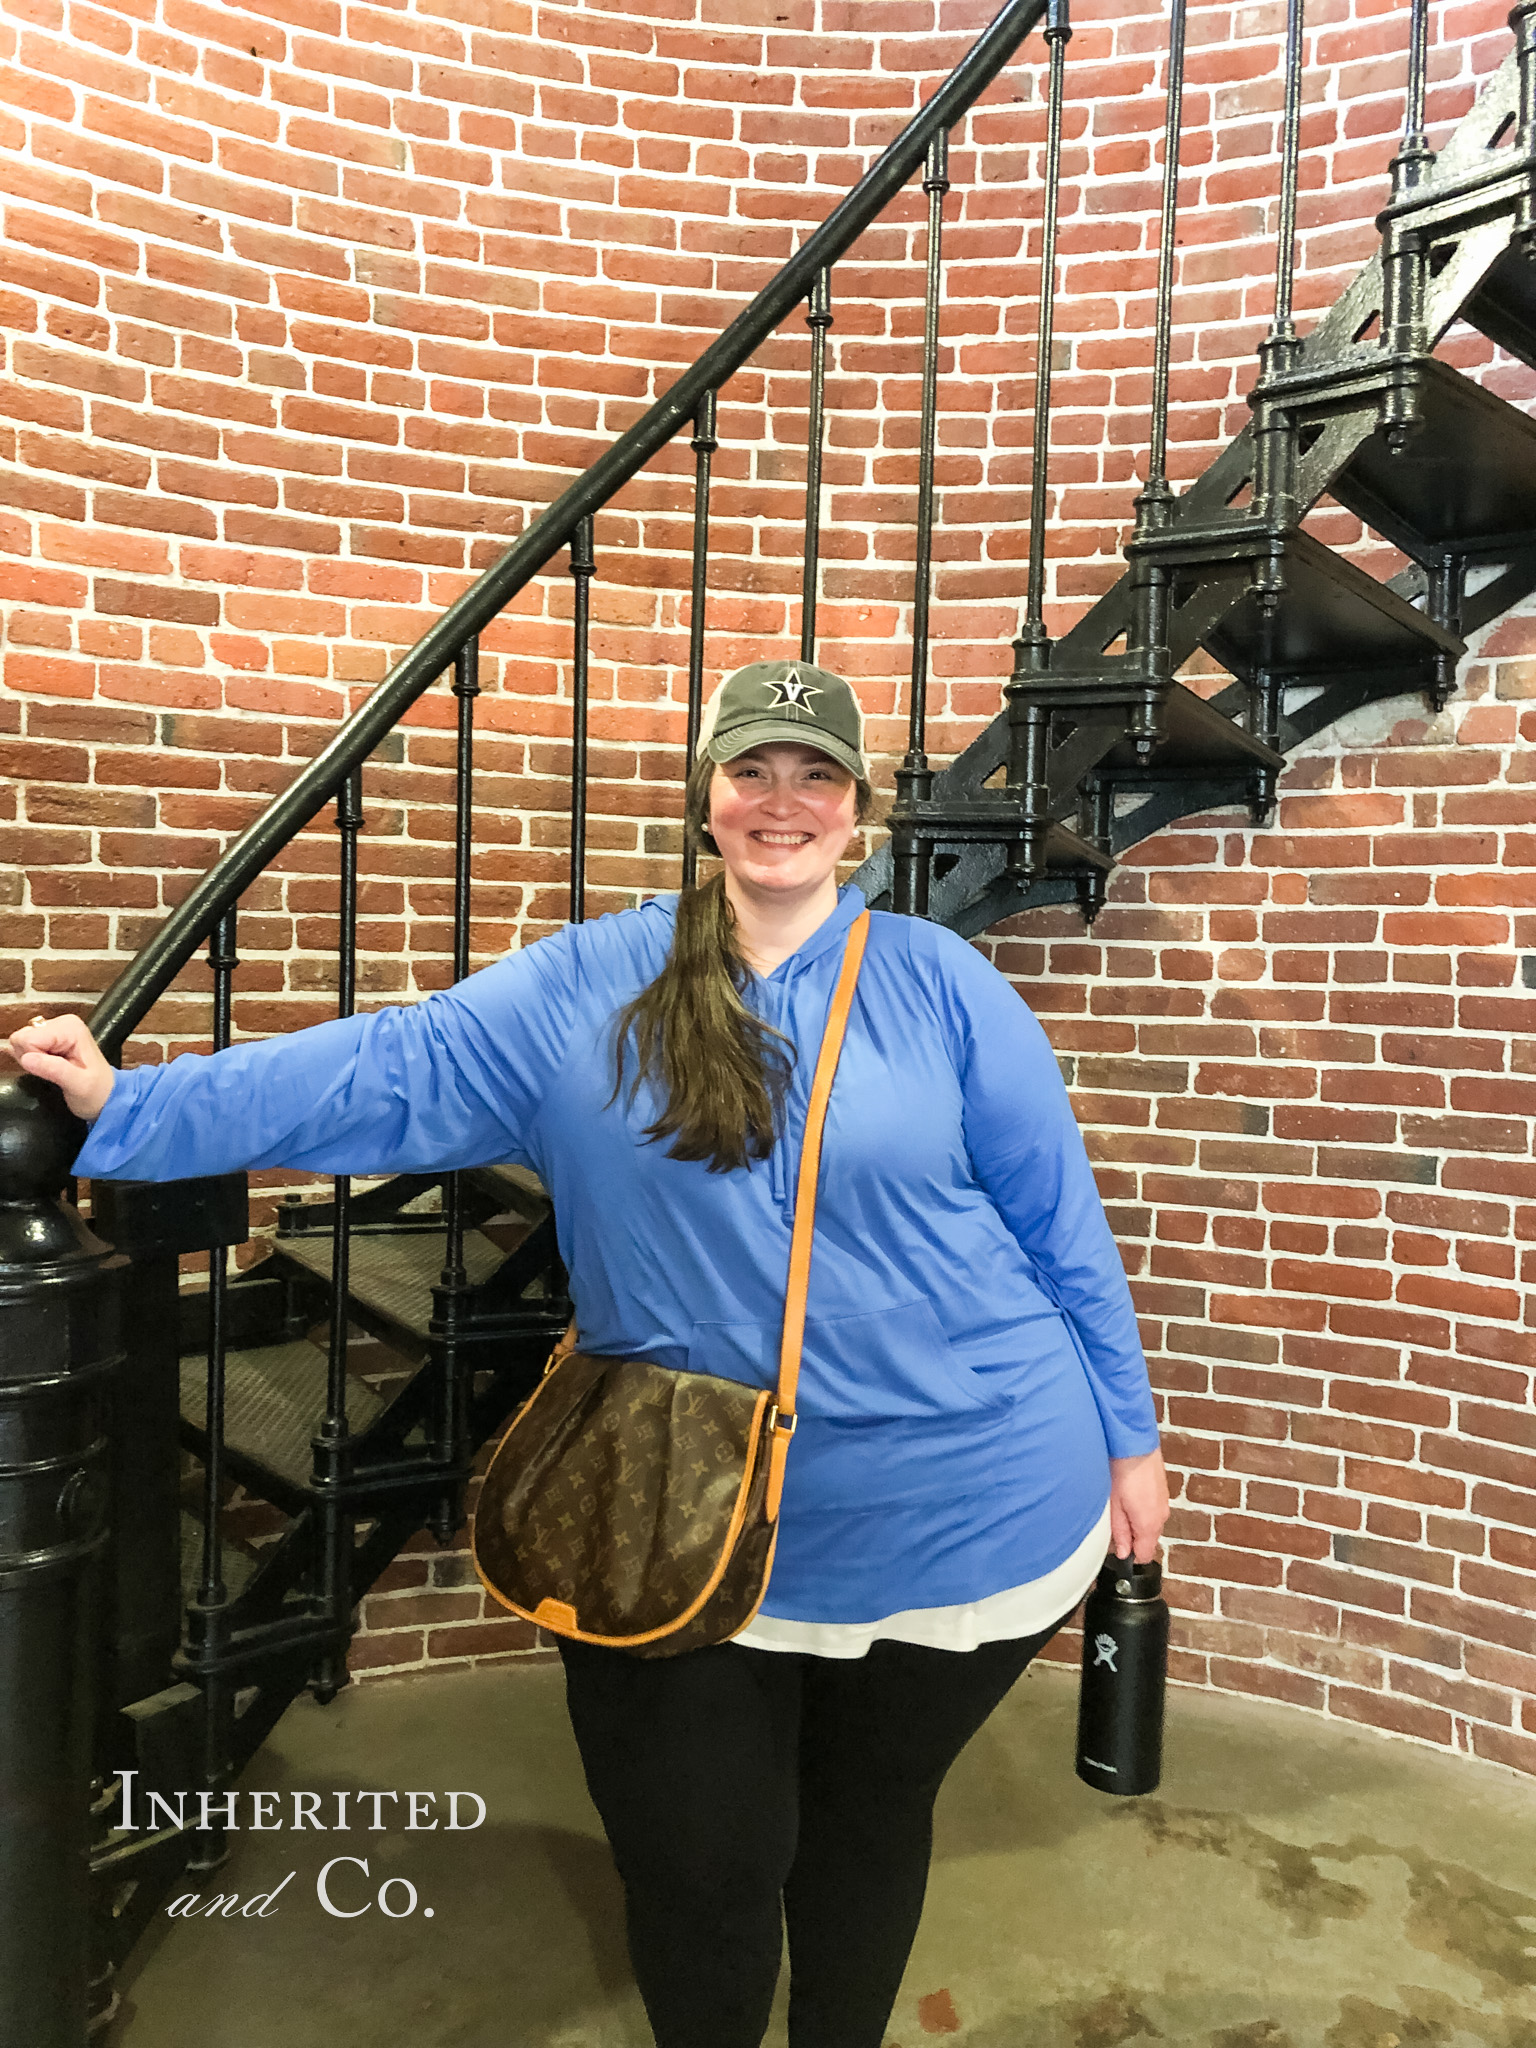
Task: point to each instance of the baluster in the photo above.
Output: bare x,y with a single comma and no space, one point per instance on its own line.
1283,327
1029,719
914,779
1415,145
1152,504
704,446
332,1458
818,318
1405,254
450,1426
222,959
583,565
1147,637
466,688
1275,501
1032,649
207,1613
1274,483
1522,19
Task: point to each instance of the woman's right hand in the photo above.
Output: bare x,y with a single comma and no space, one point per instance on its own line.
61,1049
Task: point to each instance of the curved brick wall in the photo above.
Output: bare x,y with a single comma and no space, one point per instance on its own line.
307,309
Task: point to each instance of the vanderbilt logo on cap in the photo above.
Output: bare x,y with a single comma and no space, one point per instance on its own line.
793,691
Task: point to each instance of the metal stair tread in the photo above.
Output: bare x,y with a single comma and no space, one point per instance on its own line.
274,1401
1331,617
1198,736
1468,473
393,1273
1504,305
237,1564
1067,851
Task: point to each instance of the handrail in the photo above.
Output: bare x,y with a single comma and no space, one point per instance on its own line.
147,976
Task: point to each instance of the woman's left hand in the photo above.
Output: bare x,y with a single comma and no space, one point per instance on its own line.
1138,1505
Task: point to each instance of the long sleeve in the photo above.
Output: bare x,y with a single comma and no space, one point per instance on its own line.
455,1080
1028,1154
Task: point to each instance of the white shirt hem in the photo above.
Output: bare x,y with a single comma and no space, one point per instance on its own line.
1017,1611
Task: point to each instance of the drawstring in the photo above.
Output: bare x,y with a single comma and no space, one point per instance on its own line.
781,1177
774,1001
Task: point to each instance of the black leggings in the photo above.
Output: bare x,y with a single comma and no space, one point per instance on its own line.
728,1779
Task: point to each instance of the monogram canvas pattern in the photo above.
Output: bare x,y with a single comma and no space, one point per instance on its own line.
621,1492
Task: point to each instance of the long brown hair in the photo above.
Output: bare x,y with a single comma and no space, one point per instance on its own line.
720,1072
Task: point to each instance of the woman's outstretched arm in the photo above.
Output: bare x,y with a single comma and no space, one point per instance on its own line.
452,1081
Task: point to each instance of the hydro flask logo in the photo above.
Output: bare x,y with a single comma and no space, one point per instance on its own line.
1105,1648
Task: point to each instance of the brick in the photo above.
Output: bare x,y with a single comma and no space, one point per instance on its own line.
154,601
1475,1621
1356,1163
1397,1560
1402,1639
1397,1716
474,1639
1499,1746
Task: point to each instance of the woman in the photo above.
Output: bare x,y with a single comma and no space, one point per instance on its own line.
976,1425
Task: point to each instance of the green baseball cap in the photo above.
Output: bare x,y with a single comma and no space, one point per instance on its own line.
788,700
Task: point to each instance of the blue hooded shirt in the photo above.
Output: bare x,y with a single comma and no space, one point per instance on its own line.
971,1354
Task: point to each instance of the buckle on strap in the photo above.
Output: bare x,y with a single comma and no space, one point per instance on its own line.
787,1424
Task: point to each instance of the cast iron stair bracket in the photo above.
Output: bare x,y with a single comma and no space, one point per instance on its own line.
1504,308
1090,735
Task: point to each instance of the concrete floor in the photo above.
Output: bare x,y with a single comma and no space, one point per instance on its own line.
1292,1885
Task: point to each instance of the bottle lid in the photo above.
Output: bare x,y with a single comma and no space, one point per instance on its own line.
1131,1581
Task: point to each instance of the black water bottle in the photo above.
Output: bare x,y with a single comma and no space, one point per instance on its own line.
1125,1674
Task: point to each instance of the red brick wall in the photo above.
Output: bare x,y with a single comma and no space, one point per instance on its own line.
307,312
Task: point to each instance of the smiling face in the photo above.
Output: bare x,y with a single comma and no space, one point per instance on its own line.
782,816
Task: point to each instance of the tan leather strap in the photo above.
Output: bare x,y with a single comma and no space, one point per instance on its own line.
793,1339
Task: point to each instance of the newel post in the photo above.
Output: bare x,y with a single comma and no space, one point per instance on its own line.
58,1349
